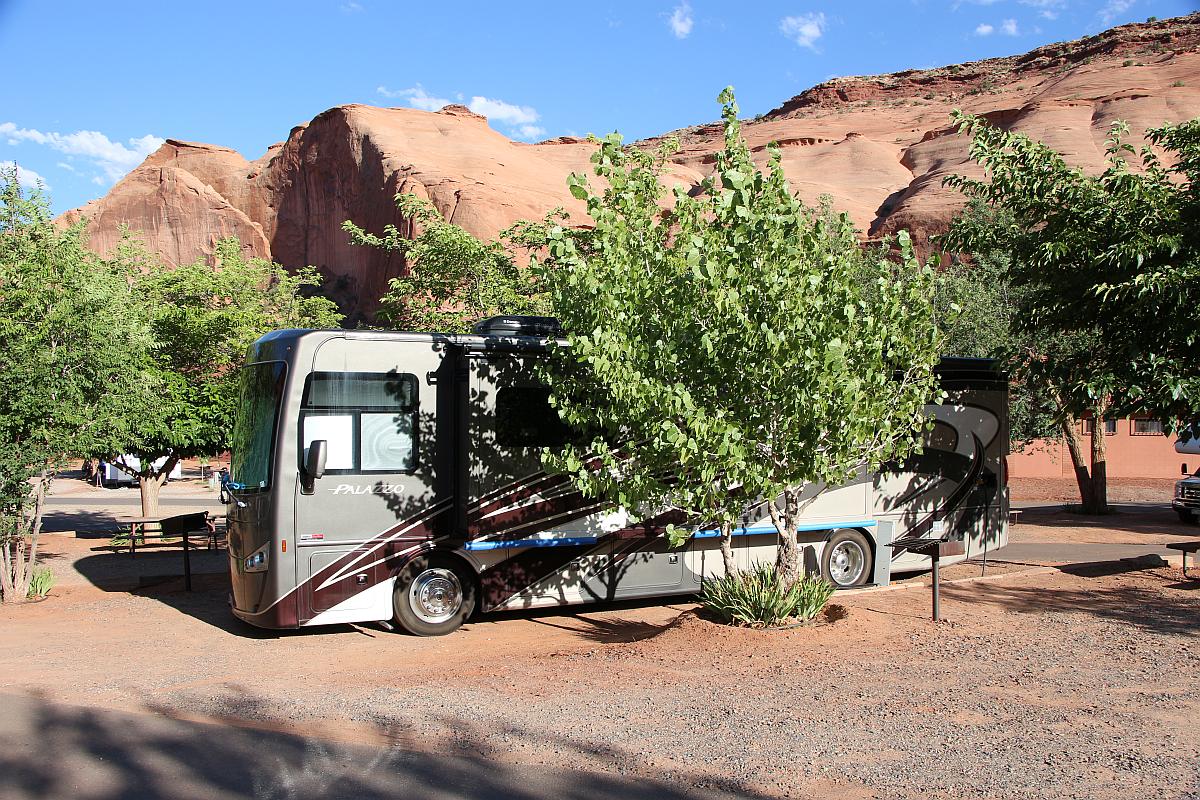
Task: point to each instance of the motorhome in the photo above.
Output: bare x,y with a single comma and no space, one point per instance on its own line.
382,476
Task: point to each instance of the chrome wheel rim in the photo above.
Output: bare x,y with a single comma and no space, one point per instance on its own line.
435,595
846,562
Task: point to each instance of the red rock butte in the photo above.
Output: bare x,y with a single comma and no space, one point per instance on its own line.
879,146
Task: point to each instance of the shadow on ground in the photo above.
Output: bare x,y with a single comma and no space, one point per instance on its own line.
114,754
87,523
1148,609
1135,518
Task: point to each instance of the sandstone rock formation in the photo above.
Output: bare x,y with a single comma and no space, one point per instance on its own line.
879,146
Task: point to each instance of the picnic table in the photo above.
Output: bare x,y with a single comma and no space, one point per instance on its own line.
181,526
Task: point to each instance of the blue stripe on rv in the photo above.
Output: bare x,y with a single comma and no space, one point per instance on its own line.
755,530
577,541
574,541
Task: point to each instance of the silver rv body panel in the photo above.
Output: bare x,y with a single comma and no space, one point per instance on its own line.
433,444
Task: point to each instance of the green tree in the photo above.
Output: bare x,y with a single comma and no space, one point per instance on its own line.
453,279
74,357
1105,268
977,307
203,320
736,346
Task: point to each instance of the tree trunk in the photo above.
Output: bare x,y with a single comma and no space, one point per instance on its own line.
787,561
727,547
149,485
1093,485
151,481
19,552
1098,502
1070,429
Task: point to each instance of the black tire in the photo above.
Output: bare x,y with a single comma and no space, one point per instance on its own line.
434,596
846,559
1186,516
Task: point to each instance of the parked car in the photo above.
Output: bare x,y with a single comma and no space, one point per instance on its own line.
1187,491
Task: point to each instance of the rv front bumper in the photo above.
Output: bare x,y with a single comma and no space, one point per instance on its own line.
278,616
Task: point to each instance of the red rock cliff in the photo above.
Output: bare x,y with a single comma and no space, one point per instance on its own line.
879,146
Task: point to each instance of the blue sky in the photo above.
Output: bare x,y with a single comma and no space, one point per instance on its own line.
93,87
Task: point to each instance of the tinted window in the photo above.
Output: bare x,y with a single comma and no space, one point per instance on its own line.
368,419
361,390
253,445
525,418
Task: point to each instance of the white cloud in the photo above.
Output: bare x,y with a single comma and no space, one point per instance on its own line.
681,20
417,97
804,29
351,8
500,111
25,177
1008,27
519,121
113,158
1113,9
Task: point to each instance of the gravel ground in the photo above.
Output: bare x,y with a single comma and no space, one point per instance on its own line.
1040,685
1064,684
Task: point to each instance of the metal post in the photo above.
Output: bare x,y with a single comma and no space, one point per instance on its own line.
936,580
187,564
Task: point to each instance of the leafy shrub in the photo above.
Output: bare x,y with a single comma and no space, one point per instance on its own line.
40,583
758,599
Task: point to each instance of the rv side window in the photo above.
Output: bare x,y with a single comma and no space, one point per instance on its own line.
525,418
368,419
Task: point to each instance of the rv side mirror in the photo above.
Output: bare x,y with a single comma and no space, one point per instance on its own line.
314,464
1183,469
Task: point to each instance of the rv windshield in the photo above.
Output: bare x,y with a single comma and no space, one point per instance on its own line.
261,388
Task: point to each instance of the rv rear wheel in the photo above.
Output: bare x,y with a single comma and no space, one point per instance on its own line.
846,560
434,595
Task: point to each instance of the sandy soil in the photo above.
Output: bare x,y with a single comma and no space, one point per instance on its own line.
1041,684
1120,490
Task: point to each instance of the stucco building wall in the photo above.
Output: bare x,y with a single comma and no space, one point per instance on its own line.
1130,455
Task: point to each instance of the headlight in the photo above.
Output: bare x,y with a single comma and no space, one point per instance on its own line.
257,561
1179,490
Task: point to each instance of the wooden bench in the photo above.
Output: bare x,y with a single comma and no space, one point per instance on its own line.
1184,548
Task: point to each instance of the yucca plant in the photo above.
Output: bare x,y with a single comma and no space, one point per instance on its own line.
758,598
39,583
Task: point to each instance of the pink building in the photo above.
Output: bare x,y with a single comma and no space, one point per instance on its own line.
1136,448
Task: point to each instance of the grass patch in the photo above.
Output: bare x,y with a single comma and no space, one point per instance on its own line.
40,583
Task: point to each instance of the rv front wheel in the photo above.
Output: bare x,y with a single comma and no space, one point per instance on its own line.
433,596
846,560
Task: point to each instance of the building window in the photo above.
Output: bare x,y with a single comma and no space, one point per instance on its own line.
1145,427
369,421
1089,427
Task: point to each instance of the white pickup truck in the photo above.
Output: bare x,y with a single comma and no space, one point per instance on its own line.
1187,491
